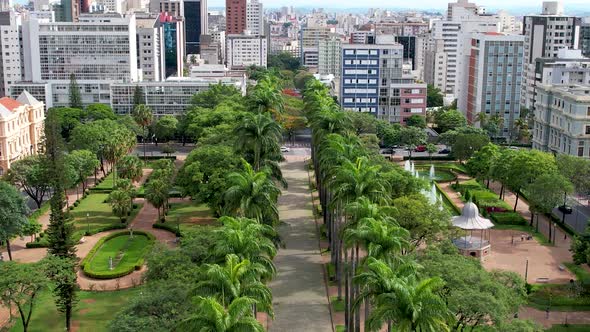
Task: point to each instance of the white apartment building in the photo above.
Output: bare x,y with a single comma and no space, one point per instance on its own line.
245,50
435,64
113,6
254,17
98,50
569,67
562,119
545,35
509,23
463,20
10,53
330,56
150,48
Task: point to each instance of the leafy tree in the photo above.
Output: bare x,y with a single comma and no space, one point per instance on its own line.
129,123
215,95
84,163
416,121
60,229
168,149
20,284
370,142
32,228
581,248
75,97
95,112
576,170
121,203
446,120
412,137
130,167
165,127
13,214
301,79
431,149
451,136
480,164
138,96
210,315
425,222
143,116
475,296
203,175
546,192
434,97
198,120
284,60
62,273
293,123
363,123
31,175
389,134
465,145
526,166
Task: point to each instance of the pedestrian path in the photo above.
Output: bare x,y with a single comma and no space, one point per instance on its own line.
299,294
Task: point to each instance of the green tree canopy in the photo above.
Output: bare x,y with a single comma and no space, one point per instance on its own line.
434,96
31,174
13,214
165,128
446,120
416,121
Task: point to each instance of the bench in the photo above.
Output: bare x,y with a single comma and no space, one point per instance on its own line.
561,267
542,280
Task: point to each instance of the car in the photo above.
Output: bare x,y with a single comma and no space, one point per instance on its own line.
444,151
565,209
420,148
387,151
285,149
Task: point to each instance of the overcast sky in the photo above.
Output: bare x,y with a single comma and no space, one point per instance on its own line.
442,4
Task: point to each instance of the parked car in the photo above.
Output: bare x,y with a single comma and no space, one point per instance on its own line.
444,151
388,151
285,149
420,148
565,209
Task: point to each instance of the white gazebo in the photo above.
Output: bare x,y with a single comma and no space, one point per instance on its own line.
477,242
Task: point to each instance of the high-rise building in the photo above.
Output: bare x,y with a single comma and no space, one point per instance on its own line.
254,17
372,81
98,50
545,34
235,17
150,47
330,54
561,119
67,10
309,44
494,78
245,50
585,37
173,8
10,57
196,24
173,44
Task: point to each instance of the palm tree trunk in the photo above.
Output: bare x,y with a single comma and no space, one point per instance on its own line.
367,309
349,269
346,297
356,292
8,249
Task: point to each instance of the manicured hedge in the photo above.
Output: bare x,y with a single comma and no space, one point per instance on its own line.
156,157
507,218
435,157
109,274
448,199
172,228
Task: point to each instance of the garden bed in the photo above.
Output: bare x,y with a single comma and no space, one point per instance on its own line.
127,254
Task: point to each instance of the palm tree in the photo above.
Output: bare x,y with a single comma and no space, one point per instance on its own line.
210,315
412,305
143,116
121,203
260,135
267,96
247,239
237,278
117,146
130,167
156,193
253,195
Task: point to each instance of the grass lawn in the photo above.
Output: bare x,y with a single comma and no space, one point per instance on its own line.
106,184
558,297
93,312
127,251
581,274
569,328
188,213
100,214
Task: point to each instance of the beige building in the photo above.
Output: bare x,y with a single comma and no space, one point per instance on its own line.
21,128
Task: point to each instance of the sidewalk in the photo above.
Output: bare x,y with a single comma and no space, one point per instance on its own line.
299,294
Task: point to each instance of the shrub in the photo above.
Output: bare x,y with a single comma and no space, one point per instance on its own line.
168,227
71,207
76,203
37,244
507,218
162,219
123,220
135,206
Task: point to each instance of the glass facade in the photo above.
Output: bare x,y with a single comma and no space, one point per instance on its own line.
192,15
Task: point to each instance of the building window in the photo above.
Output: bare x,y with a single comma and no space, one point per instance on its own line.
587,130
580,151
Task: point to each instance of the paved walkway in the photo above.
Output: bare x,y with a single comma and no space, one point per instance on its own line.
300,301
555,317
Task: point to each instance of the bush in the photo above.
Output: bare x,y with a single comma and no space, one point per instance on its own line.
71,207
76,203
434,157
168,227
124,220
37,244
507,218
135,206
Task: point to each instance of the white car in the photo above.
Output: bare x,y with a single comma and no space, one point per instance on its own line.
285,149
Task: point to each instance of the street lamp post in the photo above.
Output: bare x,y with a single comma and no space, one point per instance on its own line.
526,271
87,224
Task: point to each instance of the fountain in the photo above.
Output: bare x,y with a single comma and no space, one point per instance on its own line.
433,193
407,166
432,175
412,167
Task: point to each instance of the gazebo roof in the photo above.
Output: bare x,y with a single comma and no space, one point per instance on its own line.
470,218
